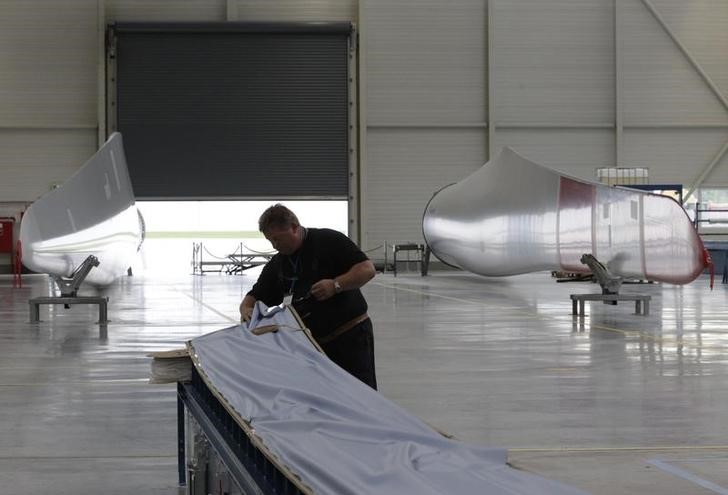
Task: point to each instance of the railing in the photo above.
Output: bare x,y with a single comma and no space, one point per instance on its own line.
700,219
231,264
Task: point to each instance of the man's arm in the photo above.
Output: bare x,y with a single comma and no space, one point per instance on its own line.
356,277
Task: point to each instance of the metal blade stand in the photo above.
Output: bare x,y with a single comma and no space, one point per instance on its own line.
610,284
68,288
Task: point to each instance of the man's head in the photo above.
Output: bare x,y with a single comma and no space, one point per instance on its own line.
281,227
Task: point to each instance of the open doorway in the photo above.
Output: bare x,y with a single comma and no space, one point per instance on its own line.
220,228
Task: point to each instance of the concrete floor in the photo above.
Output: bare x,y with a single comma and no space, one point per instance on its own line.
611,403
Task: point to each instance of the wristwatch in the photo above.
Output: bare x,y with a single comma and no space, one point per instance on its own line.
337,286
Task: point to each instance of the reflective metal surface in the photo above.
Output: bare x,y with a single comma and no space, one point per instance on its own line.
92,213
514,216
588,402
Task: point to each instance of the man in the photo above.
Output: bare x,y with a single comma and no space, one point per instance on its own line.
322,271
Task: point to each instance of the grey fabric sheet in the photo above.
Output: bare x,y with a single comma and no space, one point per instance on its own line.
337,434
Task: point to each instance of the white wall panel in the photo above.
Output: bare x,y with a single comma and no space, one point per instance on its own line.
554,64
553,61
48,93
31,161
701,26
660,84
406,166
426,62
676,155
296,10
719,176
576,152
426,70
165,10
48,63
241,10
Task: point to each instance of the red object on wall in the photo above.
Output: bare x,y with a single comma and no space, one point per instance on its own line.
6,235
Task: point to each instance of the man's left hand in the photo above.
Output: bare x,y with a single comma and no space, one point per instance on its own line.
323,289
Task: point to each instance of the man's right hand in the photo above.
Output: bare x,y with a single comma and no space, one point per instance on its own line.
246,308
246,314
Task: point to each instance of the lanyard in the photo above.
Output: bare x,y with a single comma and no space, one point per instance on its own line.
294,266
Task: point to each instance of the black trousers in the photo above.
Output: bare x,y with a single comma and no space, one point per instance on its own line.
354,351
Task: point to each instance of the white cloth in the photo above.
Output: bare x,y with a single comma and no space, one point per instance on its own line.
339,435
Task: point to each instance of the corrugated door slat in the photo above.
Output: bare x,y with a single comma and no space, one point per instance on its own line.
234,112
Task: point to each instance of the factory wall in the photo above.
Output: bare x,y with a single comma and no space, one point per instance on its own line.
573,84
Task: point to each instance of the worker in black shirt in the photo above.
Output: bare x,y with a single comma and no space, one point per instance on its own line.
321,271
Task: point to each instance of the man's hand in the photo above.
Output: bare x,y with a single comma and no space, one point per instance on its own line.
246,308
323,289
245,313
357,276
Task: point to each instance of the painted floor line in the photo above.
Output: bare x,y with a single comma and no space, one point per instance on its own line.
637,448
95,457
130,381
688,476
207,306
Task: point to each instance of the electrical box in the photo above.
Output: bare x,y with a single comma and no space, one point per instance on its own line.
6,235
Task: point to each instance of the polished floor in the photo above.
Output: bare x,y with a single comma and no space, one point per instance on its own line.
614,403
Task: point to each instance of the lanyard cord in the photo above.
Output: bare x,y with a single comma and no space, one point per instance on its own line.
294,266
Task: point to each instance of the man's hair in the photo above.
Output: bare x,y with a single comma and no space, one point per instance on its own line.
277,217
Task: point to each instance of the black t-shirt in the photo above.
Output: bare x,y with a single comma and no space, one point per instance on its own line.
324,254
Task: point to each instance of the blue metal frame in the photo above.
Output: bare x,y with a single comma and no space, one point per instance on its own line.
678,188
248,466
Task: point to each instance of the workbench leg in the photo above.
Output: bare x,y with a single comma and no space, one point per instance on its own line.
573,307
637,306
646,309
581,307
103,313
34,312
425,263
181,467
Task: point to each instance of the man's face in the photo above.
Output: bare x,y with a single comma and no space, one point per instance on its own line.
285,240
